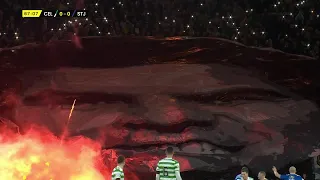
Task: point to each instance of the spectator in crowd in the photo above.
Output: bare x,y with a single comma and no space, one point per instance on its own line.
291,176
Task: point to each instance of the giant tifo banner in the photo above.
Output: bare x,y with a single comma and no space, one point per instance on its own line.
218,103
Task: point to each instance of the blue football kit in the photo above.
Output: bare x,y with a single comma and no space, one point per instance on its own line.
291,177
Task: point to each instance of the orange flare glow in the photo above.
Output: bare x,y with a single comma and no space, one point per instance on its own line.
38,155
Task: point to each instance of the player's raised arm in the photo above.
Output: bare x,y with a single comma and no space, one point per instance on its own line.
275,171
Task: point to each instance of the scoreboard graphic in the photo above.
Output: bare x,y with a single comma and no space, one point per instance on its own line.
54,13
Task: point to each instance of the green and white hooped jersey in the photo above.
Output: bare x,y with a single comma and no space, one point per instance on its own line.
167,169
117,173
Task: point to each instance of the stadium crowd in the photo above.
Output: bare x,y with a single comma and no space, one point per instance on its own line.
289,25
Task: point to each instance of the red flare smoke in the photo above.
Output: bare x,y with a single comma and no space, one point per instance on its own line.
39,155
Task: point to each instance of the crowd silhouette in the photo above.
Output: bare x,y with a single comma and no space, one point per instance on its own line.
288,25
